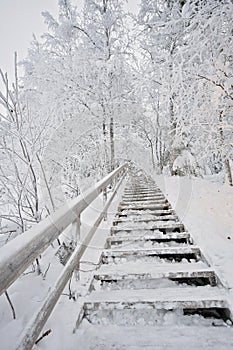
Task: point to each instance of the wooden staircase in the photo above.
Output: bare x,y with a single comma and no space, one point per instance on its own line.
151,272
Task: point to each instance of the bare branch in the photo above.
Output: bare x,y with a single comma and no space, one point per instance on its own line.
216,84
11,305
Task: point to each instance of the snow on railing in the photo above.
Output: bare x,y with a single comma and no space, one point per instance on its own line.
18,254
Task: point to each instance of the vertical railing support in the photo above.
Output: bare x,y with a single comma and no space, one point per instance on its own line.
105,198
75,230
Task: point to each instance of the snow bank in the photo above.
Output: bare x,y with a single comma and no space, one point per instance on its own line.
206,209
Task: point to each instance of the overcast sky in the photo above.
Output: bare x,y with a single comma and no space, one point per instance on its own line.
19,19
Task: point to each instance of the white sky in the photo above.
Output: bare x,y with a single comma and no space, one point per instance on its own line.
19,19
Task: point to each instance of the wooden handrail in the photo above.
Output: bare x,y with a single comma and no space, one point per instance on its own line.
18,254
36,324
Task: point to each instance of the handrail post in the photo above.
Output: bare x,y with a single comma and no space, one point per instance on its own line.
75,230
105,198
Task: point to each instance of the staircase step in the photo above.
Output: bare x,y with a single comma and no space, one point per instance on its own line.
142,198
170,253
194,333
148,224
149,300
144,207
166,270
143,194
145,219
141,203
141,189
146,194
189,295
138,280
158,225
156,237
153,268
144,213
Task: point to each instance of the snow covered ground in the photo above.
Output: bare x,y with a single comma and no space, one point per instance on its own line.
206,210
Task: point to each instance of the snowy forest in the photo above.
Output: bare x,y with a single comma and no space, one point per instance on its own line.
103,86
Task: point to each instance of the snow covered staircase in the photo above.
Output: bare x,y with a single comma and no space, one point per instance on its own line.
152,275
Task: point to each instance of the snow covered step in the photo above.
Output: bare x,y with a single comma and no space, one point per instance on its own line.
139,271
144,206
182,237
134,304
169,253
140,194
141,186
149,234
147,243
151,225
147,283
144,213
145,200
202,296
143,197
173,332
142,202
141,218
142,190
142,232
137,187
133,221
164,269
167,226
156,279
146,194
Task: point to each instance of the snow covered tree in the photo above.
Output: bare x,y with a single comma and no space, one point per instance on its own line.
22,143
161,35
204,79
81,73
186,64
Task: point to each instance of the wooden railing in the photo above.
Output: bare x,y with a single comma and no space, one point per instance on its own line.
18,254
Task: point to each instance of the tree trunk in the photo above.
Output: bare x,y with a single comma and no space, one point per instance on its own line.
228,170
152,154
172,154
105,147
112,146
226,160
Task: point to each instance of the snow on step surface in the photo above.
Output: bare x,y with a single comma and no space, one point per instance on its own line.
156,226
153,235
142,202
123,206
165,298
148,225
149,219
155,251
143,197
157,238
154,270
169,336
146,213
